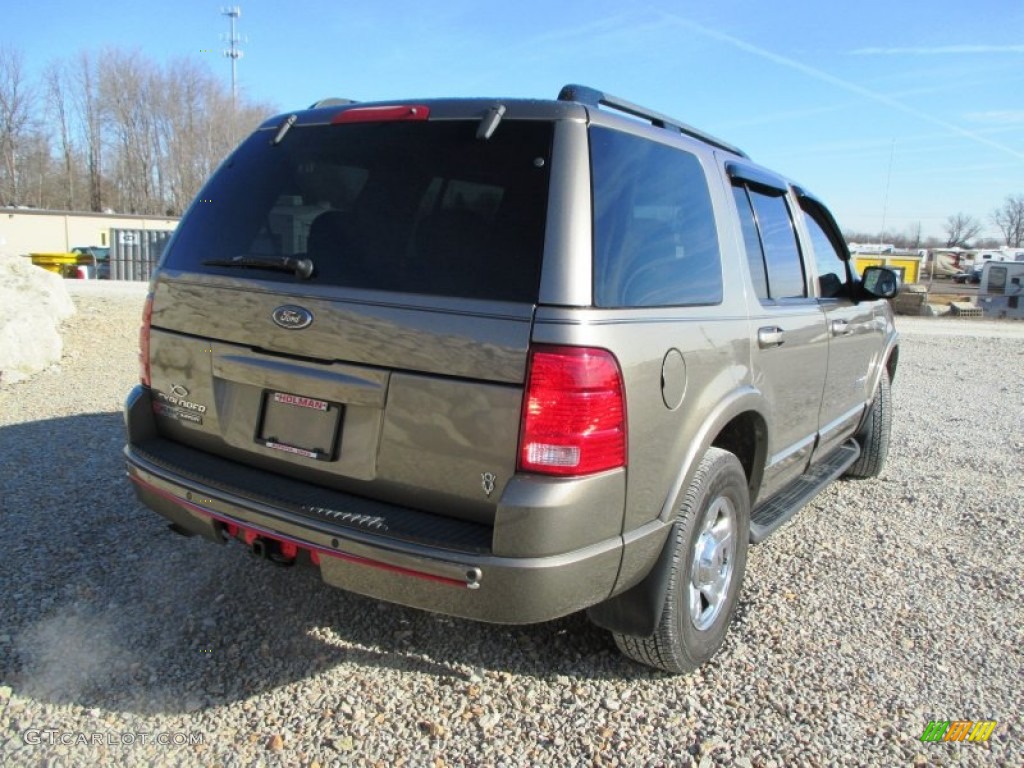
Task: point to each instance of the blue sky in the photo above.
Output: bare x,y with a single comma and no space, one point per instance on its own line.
892,112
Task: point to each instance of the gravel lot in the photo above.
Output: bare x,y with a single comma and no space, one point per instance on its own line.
882,606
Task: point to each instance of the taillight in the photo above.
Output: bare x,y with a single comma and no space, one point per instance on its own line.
574,412
147,316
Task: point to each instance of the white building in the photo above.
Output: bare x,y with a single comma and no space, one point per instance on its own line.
24,231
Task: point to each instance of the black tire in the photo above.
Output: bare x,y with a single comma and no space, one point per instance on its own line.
874,433
678,644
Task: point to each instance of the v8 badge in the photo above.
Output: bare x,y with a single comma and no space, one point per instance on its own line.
487,480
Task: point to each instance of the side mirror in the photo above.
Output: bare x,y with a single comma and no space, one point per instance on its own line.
881,282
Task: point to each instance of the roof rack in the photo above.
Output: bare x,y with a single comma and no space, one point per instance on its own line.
595,98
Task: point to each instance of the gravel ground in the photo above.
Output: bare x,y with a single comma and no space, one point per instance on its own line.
882,606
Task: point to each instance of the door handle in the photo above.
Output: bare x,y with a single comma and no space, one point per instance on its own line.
770,336
840,328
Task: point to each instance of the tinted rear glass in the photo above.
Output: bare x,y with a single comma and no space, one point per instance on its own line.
397,206
655,242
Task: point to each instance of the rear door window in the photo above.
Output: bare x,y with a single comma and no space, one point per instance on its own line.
751,241
415,207
655,241
776,245
781,252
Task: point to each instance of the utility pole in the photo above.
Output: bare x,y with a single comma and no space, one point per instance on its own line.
888,181
234,52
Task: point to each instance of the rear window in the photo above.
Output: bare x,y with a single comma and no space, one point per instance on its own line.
997,280
413,207
655,242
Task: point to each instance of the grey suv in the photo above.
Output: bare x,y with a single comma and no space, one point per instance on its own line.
508,360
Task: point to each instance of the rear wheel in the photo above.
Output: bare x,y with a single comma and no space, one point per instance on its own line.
709,541
874,433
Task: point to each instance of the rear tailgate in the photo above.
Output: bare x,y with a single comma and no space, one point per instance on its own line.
409,404
391,365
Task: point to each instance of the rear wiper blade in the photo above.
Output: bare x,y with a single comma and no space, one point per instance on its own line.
301,267
283,129
489,123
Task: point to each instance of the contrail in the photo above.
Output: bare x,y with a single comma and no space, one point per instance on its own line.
939,50
846,85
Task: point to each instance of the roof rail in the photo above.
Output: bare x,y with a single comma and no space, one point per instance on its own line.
595,98
332,101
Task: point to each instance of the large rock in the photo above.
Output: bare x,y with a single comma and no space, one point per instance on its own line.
33,302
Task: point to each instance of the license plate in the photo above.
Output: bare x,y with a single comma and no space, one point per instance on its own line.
300,425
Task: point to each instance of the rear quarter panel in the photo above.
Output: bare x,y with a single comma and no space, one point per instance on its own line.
666,439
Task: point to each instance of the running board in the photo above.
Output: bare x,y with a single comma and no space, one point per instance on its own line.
769,516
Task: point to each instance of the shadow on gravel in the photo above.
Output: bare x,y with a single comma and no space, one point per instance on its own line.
105,607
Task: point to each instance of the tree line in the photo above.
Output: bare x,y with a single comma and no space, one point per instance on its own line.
113,130
960,230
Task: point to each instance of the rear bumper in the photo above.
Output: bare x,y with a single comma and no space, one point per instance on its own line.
480,586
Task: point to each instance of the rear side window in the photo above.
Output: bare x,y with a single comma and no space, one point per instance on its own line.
415,207
655,242
776,245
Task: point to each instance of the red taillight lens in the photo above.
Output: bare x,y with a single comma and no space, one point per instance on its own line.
147,316
574,412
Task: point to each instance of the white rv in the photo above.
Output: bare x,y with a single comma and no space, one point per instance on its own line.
1001,293
1001,254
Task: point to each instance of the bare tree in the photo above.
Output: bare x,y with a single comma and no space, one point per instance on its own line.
913,237
15,115
39,178
960,229
1010,219
117,129
198,125
183,128
126,89
55,79
90,119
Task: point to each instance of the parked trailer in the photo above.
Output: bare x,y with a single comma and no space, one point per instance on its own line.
948,263
907,265
1001,293
135,252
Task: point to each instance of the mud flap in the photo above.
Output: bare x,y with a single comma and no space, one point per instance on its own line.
637,611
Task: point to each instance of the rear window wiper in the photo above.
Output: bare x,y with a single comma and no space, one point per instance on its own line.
301,267
489,123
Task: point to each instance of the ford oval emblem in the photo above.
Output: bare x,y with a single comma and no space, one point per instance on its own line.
292,318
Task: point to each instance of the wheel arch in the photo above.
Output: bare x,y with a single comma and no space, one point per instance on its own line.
737,425
746,437
892,360
888,360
